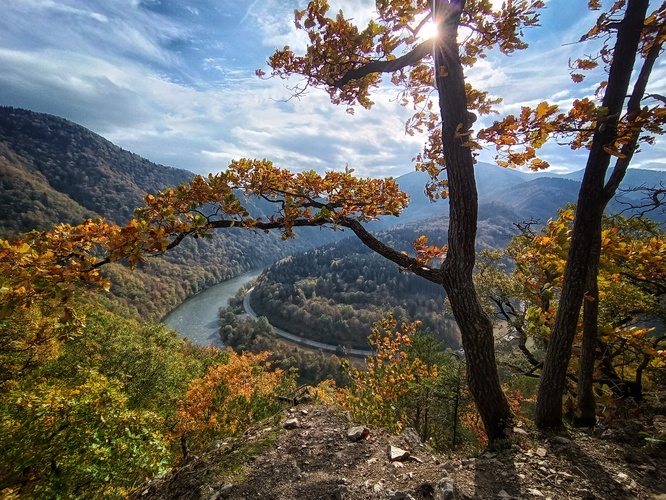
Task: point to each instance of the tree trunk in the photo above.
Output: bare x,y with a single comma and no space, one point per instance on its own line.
475,326
482,378
587,407
591,202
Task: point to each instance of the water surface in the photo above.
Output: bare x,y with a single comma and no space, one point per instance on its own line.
197,318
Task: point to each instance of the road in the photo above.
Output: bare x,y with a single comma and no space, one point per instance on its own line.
301,340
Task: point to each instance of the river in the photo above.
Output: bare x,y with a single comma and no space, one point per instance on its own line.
198,317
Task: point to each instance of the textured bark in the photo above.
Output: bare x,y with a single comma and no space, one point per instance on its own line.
587,415
456,272
475,326
591,201
477,338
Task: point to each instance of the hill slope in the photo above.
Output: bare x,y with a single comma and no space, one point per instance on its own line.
96,175
52,170
316,460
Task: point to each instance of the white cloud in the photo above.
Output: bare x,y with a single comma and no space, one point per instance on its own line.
199,105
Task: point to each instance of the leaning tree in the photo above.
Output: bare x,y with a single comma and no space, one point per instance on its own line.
625,39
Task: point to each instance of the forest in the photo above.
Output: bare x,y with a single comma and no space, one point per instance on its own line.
561,329
335,295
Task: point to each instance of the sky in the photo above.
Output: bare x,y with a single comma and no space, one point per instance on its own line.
174,81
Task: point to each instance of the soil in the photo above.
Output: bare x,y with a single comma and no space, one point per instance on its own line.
315,459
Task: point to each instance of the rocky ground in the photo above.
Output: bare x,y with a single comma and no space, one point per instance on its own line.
315,452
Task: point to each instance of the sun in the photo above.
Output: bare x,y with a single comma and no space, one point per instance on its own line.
428,30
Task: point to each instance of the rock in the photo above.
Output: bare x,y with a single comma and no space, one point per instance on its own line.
340,493
467,462
450,465
503,494
446,490
215,445
397,454
534,492
541,452
291,423
659,423
411,438
520,432
225,491
401,495
357,433
561,440
304,412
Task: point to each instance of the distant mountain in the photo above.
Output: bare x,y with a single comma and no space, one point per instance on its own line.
537,199
509,195
27,200
633,177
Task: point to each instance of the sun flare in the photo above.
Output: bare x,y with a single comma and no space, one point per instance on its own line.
428,31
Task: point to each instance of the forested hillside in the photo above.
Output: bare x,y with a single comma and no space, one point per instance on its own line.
558,389
335,295
55,171
95,174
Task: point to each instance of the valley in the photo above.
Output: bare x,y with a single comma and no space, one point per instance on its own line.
106,361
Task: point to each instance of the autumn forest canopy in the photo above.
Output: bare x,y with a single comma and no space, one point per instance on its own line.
561,321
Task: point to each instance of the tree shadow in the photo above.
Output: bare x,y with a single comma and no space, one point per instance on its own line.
561,471
496,472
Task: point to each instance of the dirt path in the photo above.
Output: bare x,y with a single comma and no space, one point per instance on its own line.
315,459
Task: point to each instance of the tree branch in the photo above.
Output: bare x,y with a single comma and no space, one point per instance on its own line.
416,54
403,260
633,110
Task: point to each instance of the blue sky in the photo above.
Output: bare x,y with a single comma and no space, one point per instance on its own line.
174,82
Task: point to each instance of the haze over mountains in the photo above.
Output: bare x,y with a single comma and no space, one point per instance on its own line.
53,170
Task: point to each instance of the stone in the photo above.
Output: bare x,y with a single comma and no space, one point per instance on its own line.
520,432
659,423
503,494
291,423
534,492
225,491
561,440
411,437
446,490
401,495
357,433
340,493
397,454
541,452
215,445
